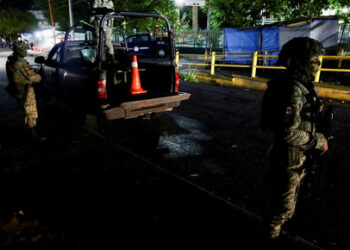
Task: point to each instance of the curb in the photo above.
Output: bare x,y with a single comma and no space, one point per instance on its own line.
325,90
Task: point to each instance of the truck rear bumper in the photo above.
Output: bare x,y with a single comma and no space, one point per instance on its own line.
143,107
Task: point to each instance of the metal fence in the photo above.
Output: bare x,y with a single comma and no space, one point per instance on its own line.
212,40
258,61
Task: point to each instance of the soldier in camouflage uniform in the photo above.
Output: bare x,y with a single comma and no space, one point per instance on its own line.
289,109
21,79
108,4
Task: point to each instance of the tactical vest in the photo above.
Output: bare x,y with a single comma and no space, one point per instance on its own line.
272,111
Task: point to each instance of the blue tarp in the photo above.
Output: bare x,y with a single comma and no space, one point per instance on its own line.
238,42
270,42
325,32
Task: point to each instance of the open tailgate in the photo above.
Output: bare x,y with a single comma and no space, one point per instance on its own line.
138,108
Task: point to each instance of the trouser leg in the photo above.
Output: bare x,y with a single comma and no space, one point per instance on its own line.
285,189
31,112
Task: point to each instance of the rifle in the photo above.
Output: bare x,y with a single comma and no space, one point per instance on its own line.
324,123
317,171
312,190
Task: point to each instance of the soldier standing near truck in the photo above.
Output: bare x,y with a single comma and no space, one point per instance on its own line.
21,80
108,5
289,109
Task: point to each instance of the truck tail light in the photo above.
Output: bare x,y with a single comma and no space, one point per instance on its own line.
177,82
101,89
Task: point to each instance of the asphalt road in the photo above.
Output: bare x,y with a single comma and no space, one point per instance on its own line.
76,189
232,158
214,140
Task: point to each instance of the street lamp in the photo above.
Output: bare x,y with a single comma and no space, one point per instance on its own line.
208,27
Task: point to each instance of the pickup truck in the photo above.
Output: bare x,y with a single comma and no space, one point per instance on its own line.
144,43
80,72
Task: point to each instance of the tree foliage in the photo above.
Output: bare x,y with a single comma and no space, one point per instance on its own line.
164,7
13,21
232,13
224,13
16,4
81,8
60,10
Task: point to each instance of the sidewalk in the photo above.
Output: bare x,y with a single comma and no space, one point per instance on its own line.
325,90
234,77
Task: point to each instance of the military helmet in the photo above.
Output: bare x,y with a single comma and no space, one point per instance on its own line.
299,50
296,55
20,48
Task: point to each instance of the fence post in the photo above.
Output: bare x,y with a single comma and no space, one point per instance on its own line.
255,60
177,56
212,69
340,60
205,57
317,76
265,58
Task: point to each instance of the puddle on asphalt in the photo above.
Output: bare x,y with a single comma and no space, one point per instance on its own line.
184,144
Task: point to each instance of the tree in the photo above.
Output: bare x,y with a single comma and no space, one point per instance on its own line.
60,10
164,7
81,8
13,21
16,4
246,13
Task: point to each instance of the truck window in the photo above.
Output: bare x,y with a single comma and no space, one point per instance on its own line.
54,57
143,38
89,54
80,34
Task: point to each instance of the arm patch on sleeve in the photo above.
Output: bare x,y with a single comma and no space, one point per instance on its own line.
290,110
289,114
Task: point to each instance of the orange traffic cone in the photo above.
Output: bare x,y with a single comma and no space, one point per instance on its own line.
135,80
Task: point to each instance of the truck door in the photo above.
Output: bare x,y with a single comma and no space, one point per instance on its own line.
50,71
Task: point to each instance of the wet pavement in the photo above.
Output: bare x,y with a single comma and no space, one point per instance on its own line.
90,194
78,191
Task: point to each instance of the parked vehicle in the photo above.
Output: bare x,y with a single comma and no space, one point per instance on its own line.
80,72
146,43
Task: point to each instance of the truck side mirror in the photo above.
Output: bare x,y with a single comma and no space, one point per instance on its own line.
40,60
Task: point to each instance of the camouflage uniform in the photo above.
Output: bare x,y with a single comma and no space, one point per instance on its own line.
21,78
295,105
108,25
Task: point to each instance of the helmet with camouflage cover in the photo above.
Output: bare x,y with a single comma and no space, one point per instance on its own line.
20,49
297,53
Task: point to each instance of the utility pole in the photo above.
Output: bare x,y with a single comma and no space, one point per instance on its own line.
208,27
208,16
70,13
195,18
52,23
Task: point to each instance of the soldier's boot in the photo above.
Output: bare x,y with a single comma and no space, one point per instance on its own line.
272,232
